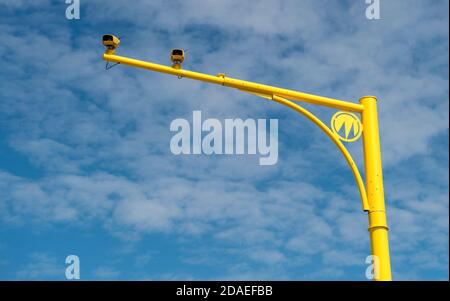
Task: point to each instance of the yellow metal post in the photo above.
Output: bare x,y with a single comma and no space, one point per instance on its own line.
373,203
375,193
247,86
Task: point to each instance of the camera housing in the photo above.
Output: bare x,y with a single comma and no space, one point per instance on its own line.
111,42
177,57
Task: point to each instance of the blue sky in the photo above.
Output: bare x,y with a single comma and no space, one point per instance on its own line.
85,161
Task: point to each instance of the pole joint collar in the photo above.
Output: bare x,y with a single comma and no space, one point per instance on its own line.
377,219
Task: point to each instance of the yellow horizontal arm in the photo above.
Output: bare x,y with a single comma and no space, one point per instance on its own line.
238,84
341,147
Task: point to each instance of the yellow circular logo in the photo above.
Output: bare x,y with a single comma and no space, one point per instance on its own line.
351,124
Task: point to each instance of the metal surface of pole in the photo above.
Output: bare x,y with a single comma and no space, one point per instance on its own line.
374,187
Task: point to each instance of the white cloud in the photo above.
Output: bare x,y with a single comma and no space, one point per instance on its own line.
101,138
40,266
106,272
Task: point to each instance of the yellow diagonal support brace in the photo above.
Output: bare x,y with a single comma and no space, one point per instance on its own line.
341,147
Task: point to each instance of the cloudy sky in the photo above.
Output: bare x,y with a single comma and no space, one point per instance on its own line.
85,161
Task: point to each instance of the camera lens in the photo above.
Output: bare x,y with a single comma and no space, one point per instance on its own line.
107,37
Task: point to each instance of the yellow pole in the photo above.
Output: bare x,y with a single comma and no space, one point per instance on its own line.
374,203
375,193
247,86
